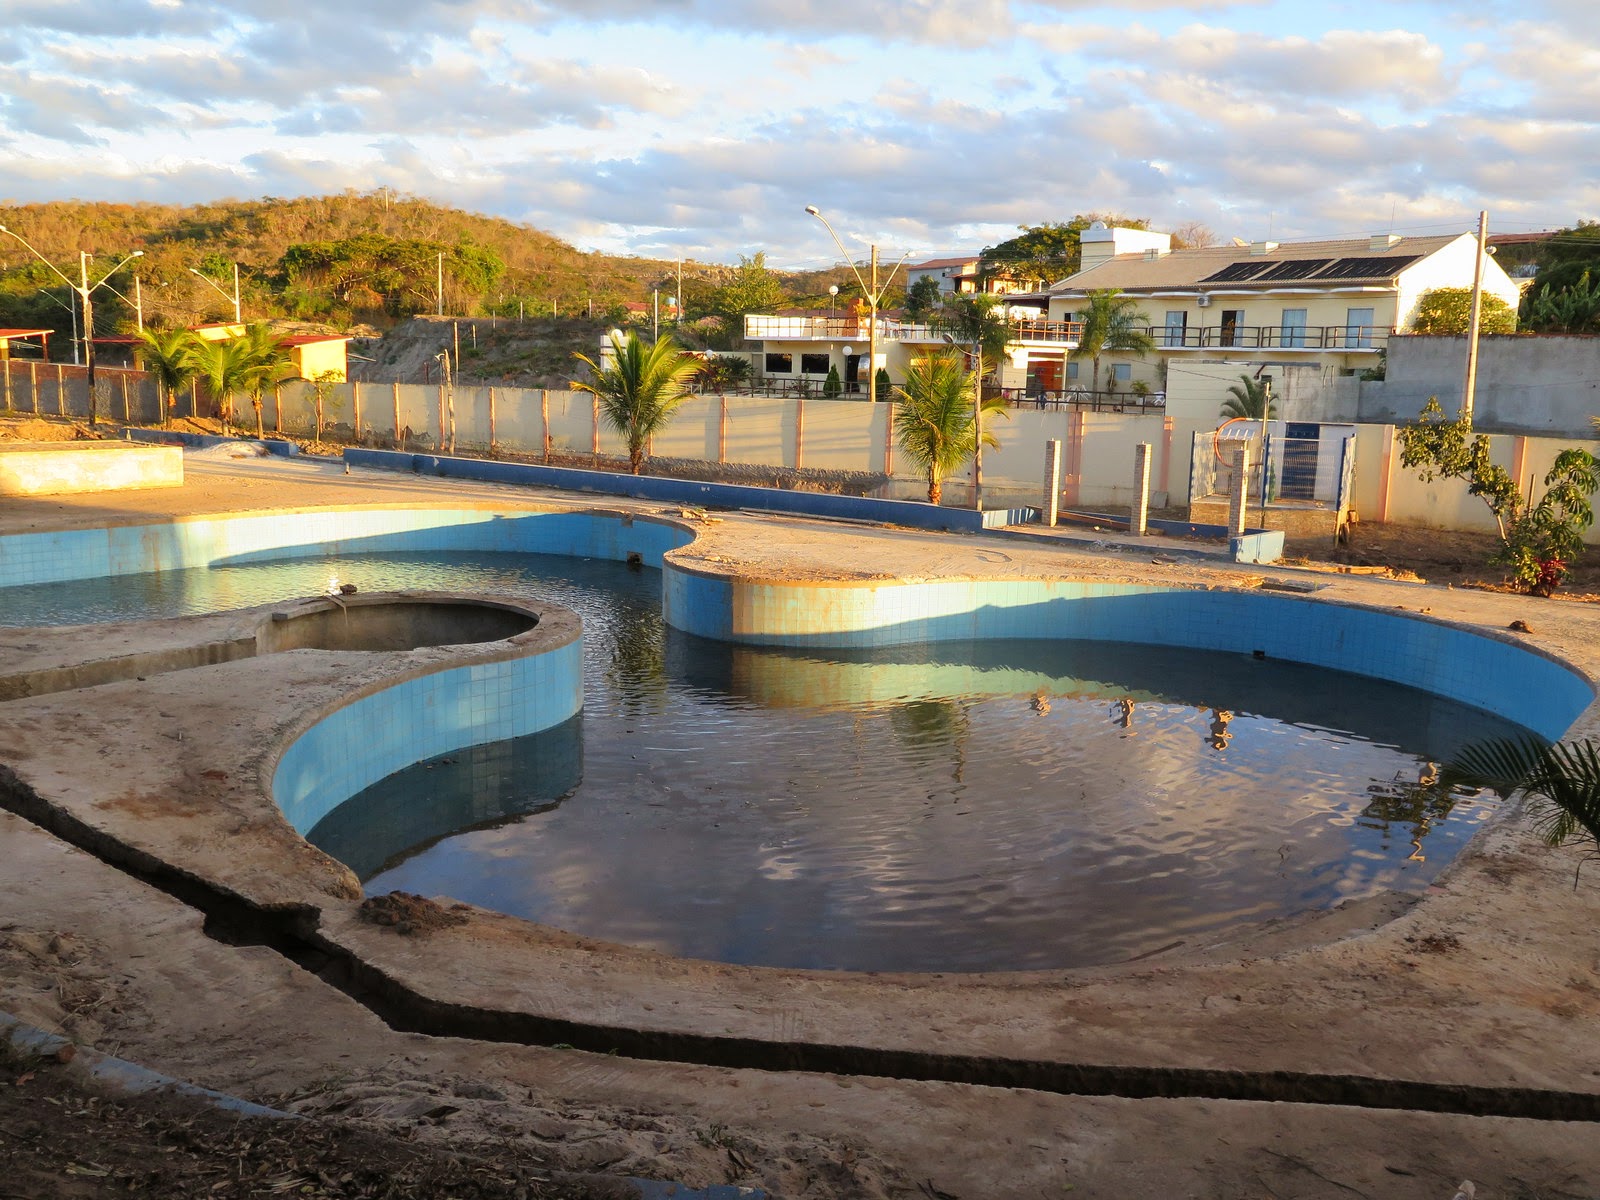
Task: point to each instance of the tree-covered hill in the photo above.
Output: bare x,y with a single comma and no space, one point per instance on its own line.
341,260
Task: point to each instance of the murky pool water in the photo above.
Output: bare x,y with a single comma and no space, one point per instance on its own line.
972,806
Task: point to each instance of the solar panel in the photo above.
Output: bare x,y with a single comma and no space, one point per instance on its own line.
1369,268
1235,272
1296,268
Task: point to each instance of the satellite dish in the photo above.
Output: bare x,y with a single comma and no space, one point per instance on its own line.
1097,225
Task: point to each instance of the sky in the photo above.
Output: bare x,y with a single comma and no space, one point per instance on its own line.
701,129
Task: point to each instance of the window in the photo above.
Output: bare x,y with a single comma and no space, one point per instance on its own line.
1121,372
780,364
1177,324
1294,328
813,364
1358,329
1228,332
1072,371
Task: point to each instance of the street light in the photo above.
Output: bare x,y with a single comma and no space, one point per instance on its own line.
83,289
237,319
873,294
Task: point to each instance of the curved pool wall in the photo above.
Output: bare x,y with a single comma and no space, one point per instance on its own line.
373,735
217,541
1536,690
358,742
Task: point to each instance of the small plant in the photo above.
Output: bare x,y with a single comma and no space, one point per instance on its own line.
323,395
1562,781
885,388
832,386
1538,541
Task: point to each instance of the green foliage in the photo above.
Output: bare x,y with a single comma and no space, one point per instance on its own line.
753,289
323,395
882,384
1561,780
935,423
1538,542
922,300
225,368
719,372
639,390
832,386
172,358
1448,310
978,319
1112,324
1572,308
1249,398
1042,254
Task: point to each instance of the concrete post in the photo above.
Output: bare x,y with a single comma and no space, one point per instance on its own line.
1052,482
1139,518
1238,491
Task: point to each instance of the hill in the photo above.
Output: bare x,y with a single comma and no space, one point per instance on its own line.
341,260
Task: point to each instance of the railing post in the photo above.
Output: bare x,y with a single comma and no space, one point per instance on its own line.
544,417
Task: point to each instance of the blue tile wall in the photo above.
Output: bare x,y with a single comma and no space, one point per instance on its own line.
354,746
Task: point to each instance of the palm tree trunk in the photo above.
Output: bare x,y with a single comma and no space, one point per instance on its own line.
935,488
255,403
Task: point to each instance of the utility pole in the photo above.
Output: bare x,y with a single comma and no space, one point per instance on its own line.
441,284
138,302
655,300
88,327
679,309
1470,387
237,318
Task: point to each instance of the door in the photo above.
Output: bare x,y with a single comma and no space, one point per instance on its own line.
1299,476
1294,328
1177,326
1228,334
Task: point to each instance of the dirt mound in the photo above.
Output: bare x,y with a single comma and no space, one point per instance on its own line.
408,914
536,352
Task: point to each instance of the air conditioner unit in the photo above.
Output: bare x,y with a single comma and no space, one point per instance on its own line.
1202,300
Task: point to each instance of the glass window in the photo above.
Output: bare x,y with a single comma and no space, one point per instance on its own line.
780,364
813,364
1122,372
1294,327
1177,323
1072,371
1358,329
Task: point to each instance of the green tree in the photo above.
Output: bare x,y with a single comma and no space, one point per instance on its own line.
978,320
1042,254
1448,311
1572,308
268,364
935,423
1538,541
1249,398
1112,324
922,300
639,390
719,372
753,289
832,386
322,385
171,358
224,365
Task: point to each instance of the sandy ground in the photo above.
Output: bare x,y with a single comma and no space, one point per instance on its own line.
1337,1031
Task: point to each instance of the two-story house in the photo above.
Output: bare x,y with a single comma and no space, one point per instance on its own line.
1330,305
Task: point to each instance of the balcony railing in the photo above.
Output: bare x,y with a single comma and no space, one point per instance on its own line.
850,329
1349,339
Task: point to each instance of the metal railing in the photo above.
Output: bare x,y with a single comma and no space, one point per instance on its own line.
1347,338
851,329
1082,398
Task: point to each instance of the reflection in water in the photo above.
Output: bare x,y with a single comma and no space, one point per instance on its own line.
928,807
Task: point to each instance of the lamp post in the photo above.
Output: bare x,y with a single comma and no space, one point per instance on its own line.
873,294
237,319
83,289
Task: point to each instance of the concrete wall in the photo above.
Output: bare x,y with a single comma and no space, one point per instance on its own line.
1546,385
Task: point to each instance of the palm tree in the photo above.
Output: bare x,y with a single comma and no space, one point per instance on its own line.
639,390
171,358
269,364
1252,400
935,422
1113,323
719,372
978,320
1562,780
224,365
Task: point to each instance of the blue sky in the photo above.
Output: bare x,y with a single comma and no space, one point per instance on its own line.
702,128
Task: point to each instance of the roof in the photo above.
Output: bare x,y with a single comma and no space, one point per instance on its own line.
1289,264
936,264
20,333
311,339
